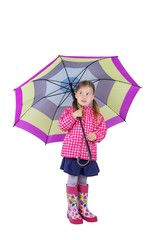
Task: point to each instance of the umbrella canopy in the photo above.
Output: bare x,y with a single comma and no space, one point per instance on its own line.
41,100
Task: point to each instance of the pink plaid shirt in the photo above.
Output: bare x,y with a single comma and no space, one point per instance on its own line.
74,144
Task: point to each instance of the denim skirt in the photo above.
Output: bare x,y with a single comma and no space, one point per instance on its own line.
71,166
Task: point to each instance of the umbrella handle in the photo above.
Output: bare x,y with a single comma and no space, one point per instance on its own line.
82,165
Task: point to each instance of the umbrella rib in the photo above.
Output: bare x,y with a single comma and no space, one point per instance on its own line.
110,108
61,102
104,79
52,93
70,83
55,82
112,80
65,69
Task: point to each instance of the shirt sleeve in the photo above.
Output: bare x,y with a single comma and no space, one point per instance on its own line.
66,120
101,129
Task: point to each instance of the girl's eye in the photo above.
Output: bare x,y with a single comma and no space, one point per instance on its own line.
85,94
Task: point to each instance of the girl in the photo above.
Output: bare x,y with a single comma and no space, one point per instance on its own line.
74,148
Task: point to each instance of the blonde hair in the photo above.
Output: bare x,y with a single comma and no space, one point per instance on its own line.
95,106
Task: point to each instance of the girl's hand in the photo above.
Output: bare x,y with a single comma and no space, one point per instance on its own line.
91,136
78,113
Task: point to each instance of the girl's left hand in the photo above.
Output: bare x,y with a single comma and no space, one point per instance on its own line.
91,136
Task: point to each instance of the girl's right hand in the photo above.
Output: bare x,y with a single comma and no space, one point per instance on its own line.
78,113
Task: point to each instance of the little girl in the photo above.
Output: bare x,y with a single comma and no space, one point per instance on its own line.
74,147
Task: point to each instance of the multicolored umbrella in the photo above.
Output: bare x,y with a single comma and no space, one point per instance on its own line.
41,100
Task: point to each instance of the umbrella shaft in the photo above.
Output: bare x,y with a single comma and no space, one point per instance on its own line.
86,142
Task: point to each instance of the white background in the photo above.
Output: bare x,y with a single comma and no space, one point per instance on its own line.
126,194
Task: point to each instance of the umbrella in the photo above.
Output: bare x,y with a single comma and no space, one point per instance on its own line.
41,100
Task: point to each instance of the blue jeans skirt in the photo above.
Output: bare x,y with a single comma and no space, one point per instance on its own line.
70,166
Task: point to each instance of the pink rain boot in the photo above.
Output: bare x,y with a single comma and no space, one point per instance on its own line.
83,209
72,212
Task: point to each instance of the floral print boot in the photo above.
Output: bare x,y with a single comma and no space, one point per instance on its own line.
83,209
72,212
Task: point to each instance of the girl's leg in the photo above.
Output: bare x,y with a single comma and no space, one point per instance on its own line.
72,197
82,180
72,180
83,200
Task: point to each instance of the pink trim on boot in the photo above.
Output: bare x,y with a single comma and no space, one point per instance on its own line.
83,188
71,189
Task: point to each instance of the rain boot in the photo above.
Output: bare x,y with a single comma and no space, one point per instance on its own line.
72,212
83,200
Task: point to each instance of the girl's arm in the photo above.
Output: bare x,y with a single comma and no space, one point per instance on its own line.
66,120
101,129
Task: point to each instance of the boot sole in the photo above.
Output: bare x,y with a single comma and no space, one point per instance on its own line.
75,221
94,219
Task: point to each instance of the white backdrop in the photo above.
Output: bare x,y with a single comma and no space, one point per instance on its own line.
126,194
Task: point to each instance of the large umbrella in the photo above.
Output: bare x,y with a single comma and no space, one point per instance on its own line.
41,100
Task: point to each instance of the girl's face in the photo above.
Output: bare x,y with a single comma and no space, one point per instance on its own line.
84,96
